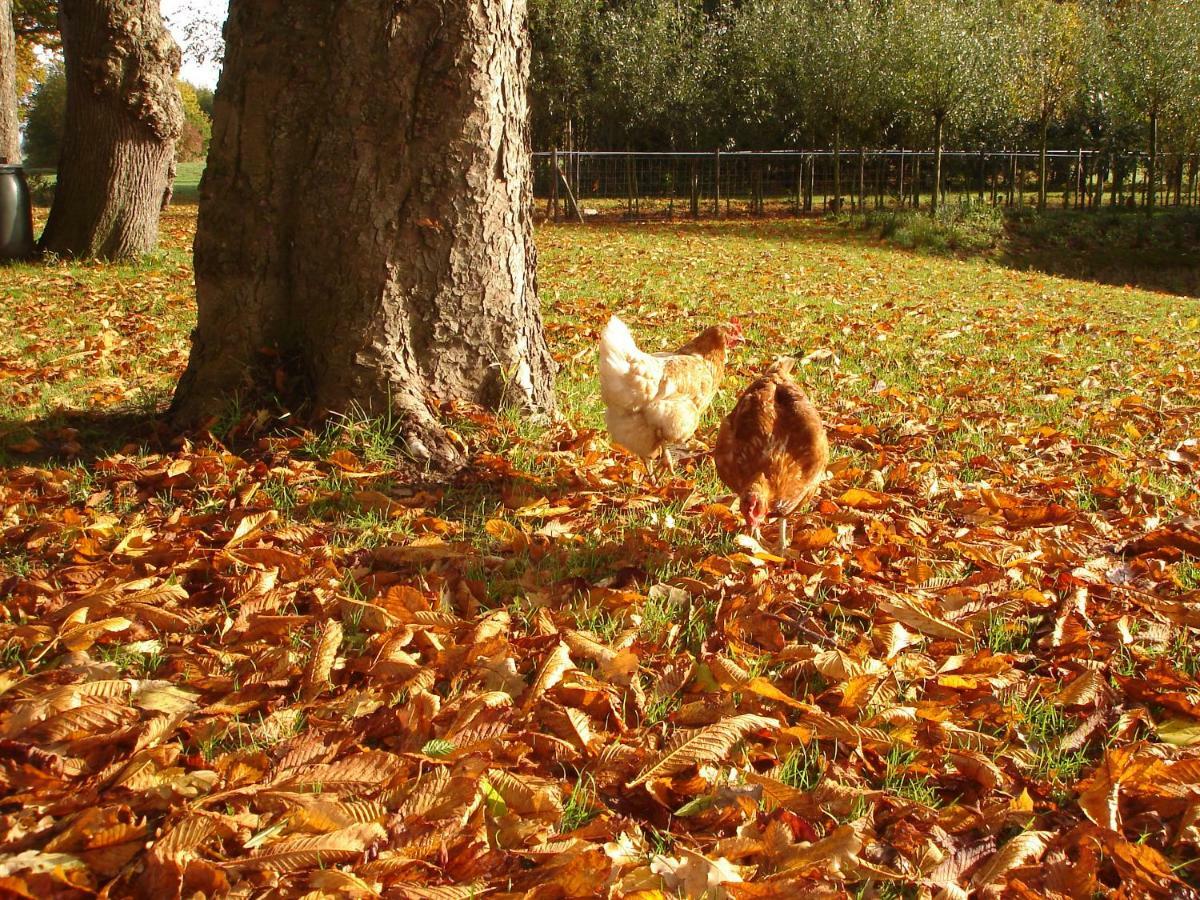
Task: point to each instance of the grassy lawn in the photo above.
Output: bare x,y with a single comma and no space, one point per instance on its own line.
984,640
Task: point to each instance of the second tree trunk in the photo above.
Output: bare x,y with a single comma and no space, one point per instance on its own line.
10,126
123,117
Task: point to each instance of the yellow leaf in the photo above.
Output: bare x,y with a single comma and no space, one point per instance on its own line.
764,688
858,498
84,636
1179,732
316,675
250,525
557,663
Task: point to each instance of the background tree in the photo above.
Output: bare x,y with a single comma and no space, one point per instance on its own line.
841,56
1153,52
35,23
196,133
46,119
205,97
943,60
651,62
200,32
10,126
373,235
561,33
757,77
123,116
1051,39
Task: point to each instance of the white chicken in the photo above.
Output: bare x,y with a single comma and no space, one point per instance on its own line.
655,400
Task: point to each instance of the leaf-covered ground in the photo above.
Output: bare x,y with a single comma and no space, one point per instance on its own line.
268,662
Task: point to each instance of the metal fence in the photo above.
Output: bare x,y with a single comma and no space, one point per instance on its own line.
639,185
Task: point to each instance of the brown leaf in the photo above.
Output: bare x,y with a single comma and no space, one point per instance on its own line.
320,665
709,744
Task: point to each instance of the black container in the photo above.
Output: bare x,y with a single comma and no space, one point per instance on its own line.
16,215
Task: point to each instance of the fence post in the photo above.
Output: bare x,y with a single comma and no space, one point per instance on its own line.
717,185
695,204
880,180
629,184
900,180
1079,179
862,179
554,182
799,172
812,183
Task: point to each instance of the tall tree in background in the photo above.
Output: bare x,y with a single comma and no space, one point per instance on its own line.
758,79
1052,37
561,35
1153,48
36,25
845,66
10,126
365,215
650,76
942,56
123,118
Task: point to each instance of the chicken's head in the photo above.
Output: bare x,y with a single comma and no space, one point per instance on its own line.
734,334
755,505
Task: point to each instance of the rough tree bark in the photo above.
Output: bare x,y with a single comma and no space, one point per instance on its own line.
10,129
365,213
123,117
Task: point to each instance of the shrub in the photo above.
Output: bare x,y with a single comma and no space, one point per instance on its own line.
966,227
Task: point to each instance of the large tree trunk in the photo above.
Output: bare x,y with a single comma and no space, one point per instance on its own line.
10,129
365,216
123,117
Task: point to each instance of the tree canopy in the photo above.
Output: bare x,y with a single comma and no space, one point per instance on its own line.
770,74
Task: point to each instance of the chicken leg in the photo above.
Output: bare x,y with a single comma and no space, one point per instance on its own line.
650,470
666,452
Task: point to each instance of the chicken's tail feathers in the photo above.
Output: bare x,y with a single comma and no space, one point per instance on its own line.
782,366
617,346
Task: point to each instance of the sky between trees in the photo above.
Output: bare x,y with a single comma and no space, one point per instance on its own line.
179,13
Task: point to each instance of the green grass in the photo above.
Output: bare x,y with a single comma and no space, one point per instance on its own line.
1187,573
187,182
955,383
804,767
902,779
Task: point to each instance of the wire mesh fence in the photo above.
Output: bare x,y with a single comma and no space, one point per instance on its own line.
642,185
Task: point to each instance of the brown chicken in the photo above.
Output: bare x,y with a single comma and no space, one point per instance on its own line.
772,450
656,400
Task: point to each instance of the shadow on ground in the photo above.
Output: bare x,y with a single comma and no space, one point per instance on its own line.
63,438
1157,252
